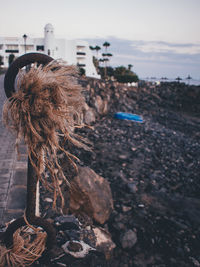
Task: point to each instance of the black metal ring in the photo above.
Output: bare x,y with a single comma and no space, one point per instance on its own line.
20,62
36,221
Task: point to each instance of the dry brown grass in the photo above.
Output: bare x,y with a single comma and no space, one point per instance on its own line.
48,104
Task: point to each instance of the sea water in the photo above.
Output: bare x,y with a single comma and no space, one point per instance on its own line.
186,81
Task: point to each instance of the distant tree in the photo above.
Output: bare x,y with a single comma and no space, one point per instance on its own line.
82,71
124,75
109,55
101,60
106,56
91,47
105,60
130,66
178,79
189,78
96,63
110,72
121,70
97,48
11,58
106,45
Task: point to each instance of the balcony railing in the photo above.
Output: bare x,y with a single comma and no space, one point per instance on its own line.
12,51
81,65
81,53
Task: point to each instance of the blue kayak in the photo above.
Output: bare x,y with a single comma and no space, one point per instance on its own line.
128,116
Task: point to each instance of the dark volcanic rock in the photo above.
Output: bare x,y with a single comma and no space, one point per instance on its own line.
153,171
128,239
91,194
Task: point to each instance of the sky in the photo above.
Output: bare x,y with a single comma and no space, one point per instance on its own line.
160,38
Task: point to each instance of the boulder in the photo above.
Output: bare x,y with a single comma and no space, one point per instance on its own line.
101,105
104,242
128,239
89,116
91,194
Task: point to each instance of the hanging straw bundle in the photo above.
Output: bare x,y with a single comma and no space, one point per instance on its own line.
47,105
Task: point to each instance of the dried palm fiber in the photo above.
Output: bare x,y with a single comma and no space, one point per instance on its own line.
47,105
28,246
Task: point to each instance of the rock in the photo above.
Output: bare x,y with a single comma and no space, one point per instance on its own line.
89,116
104,242
77,249
132,187
126,208
67,222
91,194
99,104
48,199
128,239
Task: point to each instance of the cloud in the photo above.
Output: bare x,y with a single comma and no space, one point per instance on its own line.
162,58
164,47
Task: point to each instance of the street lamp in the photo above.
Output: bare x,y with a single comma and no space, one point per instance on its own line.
25,37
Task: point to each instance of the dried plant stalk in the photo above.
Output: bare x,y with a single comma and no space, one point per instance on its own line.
28,246
48,103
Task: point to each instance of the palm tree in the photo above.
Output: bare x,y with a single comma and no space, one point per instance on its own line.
106,45
178,79
130,66
105,69
97,48
101,60
189,78
91,47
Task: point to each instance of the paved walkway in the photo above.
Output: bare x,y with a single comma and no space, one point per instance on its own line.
12,172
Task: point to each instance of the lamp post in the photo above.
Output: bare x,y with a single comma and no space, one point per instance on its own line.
25,37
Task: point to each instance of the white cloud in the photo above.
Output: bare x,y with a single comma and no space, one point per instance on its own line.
163,47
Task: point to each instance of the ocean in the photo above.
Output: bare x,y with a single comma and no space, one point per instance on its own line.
186,81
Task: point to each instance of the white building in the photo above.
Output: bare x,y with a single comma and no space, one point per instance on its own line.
75,52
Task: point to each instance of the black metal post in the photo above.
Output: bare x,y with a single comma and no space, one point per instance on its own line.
25,37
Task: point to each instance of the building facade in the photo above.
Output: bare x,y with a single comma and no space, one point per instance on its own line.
74,52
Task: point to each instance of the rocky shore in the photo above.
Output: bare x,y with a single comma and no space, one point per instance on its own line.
153,171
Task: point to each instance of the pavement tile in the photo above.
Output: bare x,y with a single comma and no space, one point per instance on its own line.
13,172
17,198
4,171
1,215
8,215
4,186
20,177
3,196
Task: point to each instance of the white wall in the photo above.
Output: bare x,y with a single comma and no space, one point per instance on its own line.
60,49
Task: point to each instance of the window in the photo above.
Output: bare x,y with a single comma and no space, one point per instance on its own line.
29,47
12,47
40,47
81,65
12,51
81,53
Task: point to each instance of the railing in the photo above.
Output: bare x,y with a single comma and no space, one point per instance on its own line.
81,65
30,216
12,51
81,53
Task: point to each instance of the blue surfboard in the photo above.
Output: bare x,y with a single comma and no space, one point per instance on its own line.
128,116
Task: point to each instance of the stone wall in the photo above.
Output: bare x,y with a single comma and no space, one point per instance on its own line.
103,97
109,97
